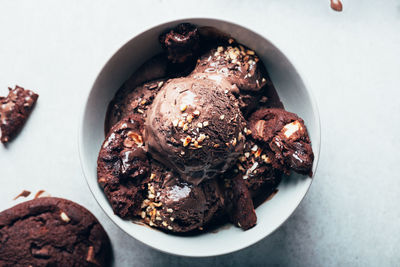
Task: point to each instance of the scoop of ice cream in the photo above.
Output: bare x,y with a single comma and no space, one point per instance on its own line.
195,127
237,64
174,205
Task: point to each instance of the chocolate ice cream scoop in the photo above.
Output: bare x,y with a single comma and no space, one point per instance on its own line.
195,127
177,206
238,65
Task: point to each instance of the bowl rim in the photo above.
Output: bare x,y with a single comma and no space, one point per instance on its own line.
308,90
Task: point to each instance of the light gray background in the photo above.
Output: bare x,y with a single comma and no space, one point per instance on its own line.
351,60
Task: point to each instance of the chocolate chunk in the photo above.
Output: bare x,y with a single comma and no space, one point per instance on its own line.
14,111
122,166
181,43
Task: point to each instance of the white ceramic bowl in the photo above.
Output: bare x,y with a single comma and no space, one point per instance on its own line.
293,93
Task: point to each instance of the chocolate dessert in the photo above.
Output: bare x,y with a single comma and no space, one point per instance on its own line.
14,111
198,136
52,231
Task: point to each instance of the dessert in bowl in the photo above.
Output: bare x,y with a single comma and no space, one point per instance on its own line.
200,134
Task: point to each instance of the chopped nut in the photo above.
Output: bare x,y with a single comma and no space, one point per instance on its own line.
136,138
263,80
205,124
230,41
234,141
221,117
158,218
250,52
165,223
200,125
151,223
172,219
291,128
216,145
183,107
254,148
189,118
152,176
170,210
169,227
143,214
64,217
181,123
240,136
187,141
143,102
175,122
196,113
182,152
196,145
152,196
185,127
90,257
258,153
247,154
160,84
201,138
220,49
140,111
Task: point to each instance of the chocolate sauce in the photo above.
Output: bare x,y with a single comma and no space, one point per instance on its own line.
336,5
24,193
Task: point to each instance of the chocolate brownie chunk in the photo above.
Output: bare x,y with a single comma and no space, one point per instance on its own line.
123,167
239,203
287,137
181,43
14,111
52,232
177,206
261,172
136,100
292,147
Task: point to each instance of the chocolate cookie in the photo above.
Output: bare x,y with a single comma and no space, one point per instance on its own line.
122,166
287,137
52,232
14,111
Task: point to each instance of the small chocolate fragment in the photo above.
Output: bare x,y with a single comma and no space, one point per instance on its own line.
14,111
241,210
24,193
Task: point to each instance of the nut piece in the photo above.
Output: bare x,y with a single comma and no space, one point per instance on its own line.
90,257
291,128
64,217
183,107
187,141
136,138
